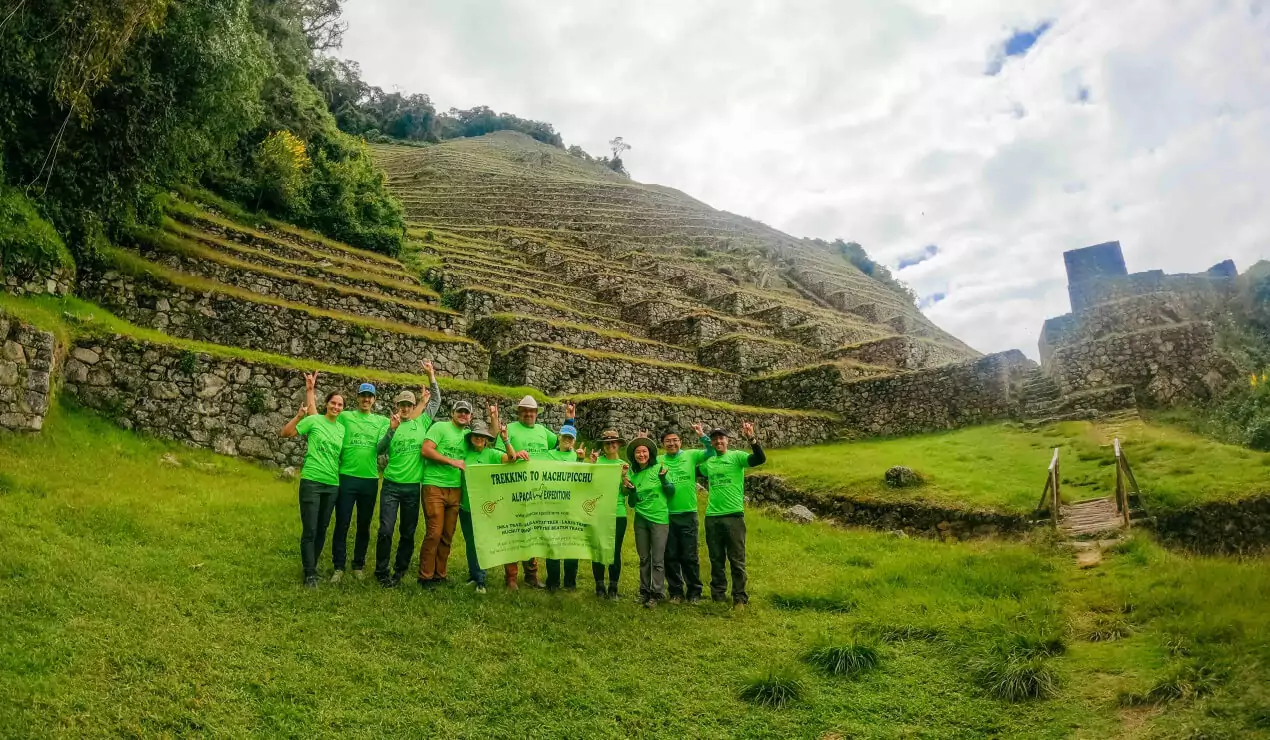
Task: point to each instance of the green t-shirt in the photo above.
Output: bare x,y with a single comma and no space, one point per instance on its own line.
487,456
726,475
561,455
322,458
621,490
683,473
536,440
451,441
650,501
362,432
405,464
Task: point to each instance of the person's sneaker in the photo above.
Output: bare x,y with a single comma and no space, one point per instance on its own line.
480,589
650,604
675,599
310,582
613,596
337,576
600,593
694,600
359,574
740,605
535,583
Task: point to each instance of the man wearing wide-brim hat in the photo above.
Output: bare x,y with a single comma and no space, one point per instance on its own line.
610,454
725,512
531,441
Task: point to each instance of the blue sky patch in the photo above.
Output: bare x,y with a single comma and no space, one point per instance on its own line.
1020,41
917,258
930,300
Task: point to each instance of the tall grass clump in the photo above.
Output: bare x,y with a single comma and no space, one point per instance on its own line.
813,602
1016,667
1185,682
849,659
775,689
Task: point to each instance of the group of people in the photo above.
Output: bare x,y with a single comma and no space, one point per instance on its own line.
426,461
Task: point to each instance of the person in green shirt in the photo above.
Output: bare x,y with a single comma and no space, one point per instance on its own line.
725,511
402,478
683,568
532,442
564,452
359,480
319,477
481,451
649,487
443,447
610,444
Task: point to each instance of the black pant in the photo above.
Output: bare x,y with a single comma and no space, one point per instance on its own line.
570,573
683,568
317,500
725,539
359,492
404,496
615,570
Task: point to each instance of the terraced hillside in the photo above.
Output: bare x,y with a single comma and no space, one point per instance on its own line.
580,280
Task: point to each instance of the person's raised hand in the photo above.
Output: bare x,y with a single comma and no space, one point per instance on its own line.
645,433
310,380
625,467
697,429
595,455
394,421
425,395
747,430
570,410
492,410
426,366
663,471
303,412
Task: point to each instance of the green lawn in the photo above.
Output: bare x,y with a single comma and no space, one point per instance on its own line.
1003,466
142,599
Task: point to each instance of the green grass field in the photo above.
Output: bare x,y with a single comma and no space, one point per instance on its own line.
142,599
1003,466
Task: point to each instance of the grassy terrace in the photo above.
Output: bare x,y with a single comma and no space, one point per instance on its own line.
1002,466
131,264
174,609
596,354
69,318
345,269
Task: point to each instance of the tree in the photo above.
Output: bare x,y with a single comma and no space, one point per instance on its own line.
618,146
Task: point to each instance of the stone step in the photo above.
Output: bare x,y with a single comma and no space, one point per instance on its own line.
314,268
562,371
157,248
192,307
502,332
749,355
213,225
477,301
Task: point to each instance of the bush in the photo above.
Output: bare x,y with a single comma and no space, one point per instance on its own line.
842,660
774,689
26,238
281,167
348,198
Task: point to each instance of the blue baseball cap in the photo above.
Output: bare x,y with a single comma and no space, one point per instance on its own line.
568,431
366,388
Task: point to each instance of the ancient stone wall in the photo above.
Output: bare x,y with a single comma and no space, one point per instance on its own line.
1219,528
805,387
1164,365
232,406
1122,316
156,303
747,355
701,328
901,353
629,416
474,303
1211,288
561,372
912,518
502,332
24,277
28,359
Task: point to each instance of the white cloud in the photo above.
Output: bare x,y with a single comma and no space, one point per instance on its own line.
874,121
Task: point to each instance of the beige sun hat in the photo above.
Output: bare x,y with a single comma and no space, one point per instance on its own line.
527,402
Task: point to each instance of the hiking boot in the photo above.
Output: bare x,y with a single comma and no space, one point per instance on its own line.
359,574
740,605
388,582
675,599
534,583
694,600
480,588
337,576
310,582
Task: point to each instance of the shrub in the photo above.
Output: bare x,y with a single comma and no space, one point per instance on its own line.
842,660
348,198
25,237
281,167
775,689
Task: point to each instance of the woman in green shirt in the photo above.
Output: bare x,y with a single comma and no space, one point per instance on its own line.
649,487
402,479
320,477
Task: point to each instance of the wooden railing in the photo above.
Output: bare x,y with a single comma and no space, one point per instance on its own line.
1051,498
1125,483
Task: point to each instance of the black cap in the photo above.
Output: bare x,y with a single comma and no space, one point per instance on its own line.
719,432
461,406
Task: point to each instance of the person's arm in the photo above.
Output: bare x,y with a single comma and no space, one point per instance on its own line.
706,448
310,391
756,457
289,429
385,441
429,452
667,485
571,414
430,397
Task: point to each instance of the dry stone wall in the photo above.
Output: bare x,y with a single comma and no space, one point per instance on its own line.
746,355
475,303
901,353
502,332
25,277
156,303
805,387
561,372
229,405
1164,365
1219,528
28,359
629,416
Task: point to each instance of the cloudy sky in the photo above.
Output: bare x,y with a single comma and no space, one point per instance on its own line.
971,141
